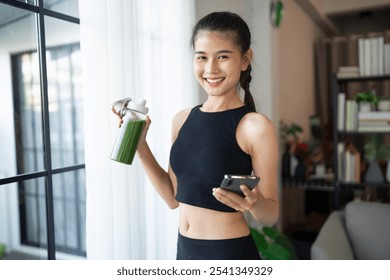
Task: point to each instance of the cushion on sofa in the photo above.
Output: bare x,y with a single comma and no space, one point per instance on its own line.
332,242
368,227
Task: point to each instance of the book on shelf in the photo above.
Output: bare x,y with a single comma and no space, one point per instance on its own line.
374,128
355,164
373,55
348,72
374,116
375,121
367,57
386,58
381,62
351,112
341,111
349,163
361,58
340,160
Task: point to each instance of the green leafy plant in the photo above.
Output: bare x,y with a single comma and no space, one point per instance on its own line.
369,97
2,250
273,245
375,148
290,130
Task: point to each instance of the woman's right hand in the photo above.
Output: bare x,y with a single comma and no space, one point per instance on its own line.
119,116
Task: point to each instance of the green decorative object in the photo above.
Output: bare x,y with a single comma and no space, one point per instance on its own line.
367,97
375,148
2,250
273,245
276,13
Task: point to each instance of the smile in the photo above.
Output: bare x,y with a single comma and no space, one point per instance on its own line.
214,81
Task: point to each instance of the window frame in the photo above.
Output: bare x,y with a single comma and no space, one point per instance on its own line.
49,172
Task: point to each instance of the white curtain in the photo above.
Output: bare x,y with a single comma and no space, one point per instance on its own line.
137,49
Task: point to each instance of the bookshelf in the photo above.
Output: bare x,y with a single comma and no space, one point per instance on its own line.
347,128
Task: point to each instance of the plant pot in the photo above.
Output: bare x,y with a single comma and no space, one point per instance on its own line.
388,171
2,251
384,105
374,173
364,106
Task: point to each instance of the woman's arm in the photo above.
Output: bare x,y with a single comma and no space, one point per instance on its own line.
256,136
164,182
264,153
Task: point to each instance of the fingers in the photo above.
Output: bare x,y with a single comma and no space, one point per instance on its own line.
148,122
234,200
119,116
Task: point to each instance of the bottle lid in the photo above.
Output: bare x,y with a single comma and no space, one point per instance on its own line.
138,106
119,106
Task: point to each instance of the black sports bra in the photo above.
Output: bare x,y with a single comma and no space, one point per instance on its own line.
205,150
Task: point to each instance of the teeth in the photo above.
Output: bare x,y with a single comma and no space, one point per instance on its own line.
213,81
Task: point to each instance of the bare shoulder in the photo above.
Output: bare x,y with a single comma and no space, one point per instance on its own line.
178,120
256,132
257,124
180,117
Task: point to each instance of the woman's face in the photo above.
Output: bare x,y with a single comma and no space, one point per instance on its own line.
218,63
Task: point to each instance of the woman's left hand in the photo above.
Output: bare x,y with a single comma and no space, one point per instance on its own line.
236,201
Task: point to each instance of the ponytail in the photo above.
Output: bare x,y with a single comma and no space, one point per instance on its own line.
245,80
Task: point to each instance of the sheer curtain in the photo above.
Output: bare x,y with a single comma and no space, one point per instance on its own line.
137,49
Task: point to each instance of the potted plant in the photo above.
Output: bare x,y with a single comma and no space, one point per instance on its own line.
375,149
273,245
366,100
2,250
290,133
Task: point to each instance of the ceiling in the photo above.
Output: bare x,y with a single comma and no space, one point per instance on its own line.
329,14
337,17
344,7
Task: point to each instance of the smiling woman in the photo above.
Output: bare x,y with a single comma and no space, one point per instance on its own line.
224,135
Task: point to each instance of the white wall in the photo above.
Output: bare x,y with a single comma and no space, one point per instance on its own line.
297,36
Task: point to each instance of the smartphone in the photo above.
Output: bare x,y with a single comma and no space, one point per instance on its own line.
233,182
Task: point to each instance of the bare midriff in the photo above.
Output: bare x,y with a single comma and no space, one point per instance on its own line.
201,223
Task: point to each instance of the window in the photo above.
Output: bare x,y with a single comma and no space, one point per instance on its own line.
42,171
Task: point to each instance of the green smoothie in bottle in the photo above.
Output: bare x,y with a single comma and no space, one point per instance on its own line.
127,141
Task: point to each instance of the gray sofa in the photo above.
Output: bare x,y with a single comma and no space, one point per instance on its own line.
361,231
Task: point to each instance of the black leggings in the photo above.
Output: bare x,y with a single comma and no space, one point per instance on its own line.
241,248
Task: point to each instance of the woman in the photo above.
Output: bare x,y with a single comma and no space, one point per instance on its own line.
222,136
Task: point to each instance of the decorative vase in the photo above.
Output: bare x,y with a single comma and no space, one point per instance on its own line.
374,173
286,161
364,106
293,165
384,105
300,170
388,171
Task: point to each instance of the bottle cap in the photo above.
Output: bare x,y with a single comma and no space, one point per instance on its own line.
119,106
138,106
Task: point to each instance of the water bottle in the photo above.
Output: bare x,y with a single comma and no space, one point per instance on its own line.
134,119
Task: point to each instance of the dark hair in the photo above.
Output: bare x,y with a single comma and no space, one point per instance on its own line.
230,24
